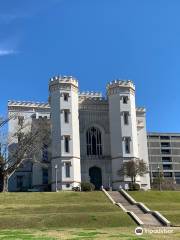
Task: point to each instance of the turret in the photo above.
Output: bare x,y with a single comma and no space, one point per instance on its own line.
65,162
123,129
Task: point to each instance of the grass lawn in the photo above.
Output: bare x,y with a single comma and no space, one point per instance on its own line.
123,233
67,215
60,210
166,202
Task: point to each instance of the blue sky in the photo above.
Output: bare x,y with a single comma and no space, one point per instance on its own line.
96,41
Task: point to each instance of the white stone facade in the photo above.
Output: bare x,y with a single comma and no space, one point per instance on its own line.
91,136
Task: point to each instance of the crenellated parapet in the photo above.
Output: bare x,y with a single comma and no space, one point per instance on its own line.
13,104
141,110
63,82
118,86
90,95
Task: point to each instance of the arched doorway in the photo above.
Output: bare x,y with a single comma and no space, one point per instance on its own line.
95,177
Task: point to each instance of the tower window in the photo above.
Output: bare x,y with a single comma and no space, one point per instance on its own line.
66,144
45,152
45,176
93,142
127,145
126,118
66,96
125,99
67,167
20,120
66,116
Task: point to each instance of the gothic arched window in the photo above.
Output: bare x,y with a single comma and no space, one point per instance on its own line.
93,142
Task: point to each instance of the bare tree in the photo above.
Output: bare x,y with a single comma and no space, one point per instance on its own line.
133,168
29,143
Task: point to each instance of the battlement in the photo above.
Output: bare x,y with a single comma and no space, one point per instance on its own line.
27,104
120,83
141,109
91,94
56,80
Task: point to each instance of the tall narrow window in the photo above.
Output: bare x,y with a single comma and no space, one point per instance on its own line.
66,116
126,118
93,142
20,120
45,176
67,166
66,143
66,95
127,145
125,99
45,152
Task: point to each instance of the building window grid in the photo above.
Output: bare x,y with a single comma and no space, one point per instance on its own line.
94,142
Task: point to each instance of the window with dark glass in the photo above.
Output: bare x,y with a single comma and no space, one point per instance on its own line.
125,99
165,151
20,120
167,174
177,174
66,143
166,159
165,144
167,166
66,96
67,166
45,152
127,144
45,176
126,118
66,116
94,142
164,137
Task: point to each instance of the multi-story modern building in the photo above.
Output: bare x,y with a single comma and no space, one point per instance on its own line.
164,155
91,136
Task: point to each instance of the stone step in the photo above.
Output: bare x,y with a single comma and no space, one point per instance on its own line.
147,218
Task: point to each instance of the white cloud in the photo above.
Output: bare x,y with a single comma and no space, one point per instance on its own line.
6,52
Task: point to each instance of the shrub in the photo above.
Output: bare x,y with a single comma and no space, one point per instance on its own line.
166,184
86,186
134,187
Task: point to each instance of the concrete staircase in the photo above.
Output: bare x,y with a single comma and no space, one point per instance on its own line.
147,218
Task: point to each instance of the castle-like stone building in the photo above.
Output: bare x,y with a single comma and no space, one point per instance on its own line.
91,136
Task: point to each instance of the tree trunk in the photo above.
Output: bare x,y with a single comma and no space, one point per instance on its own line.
5,183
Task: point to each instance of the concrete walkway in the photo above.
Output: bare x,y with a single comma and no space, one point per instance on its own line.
147,218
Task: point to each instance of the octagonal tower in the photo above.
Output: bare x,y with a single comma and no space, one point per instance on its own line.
65,163
123,128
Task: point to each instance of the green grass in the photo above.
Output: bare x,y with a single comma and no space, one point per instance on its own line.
60,210
166,202
123,233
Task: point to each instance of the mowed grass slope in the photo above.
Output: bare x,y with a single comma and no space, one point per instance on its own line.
63,209
166,202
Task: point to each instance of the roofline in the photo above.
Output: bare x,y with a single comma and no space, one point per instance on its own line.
163,133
